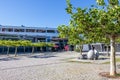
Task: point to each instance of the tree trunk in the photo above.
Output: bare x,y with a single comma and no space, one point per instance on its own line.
15,51
112,57
80,48
41,49
50,49
108,50
32,50
24,49
3,49
8,51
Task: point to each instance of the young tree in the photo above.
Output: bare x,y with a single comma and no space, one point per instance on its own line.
99,22
41,44
73,34
25,43
33,47
38,44
8,43
16,44
49,45
2,43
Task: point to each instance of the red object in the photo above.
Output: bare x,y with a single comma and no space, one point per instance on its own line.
66,48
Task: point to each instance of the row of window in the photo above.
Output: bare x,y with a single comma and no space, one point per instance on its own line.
27,30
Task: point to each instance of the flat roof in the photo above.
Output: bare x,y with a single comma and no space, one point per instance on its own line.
22,26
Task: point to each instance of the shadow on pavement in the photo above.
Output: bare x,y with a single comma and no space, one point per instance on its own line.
9,59
103,58
41,56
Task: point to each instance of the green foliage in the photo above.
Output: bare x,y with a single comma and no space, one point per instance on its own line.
77,49
97,24
110,2
49,44
24,43
16,44
69,7
42,44
100,2
63,31
114,2
118,40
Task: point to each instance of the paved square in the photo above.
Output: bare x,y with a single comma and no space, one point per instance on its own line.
50,66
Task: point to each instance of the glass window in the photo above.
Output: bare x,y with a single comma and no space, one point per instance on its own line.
10,30
30,30
50,31
7,29
3,29
41,31
41,39
19,30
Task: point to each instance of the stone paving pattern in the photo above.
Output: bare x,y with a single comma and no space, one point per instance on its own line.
50,66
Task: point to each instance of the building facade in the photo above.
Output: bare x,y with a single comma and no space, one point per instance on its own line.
35,34
42,34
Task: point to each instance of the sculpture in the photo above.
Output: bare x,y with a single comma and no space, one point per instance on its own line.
93,54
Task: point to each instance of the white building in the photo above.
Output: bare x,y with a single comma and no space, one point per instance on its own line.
36,34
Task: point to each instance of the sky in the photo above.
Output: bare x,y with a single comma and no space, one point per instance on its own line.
37,13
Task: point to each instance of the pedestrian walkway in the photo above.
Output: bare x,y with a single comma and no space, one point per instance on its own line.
50,66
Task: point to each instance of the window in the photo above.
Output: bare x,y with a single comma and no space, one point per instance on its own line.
7,29
50,31
3,29
30,30
18,30
55,37
41,39
41,31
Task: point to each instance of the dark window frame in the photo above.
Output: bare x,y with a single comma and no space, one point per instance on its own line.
50,31
30,30
19,30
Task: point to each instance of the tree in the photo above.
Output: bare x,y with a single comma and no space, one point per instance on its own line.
33,47
99,22
16,44
25,43
2,43
38,44
110,21
74,35
41,44
8,43
49,45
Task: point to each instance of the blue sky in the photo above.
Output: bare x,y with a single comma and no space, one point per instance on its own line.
37,13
